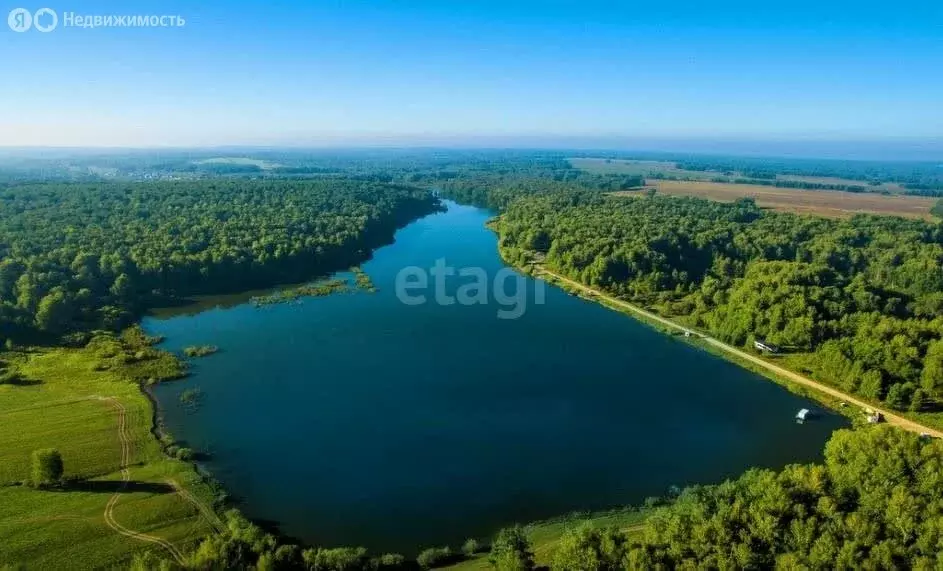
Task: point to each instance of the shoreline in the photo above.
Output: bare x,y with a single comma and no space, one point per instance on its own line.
794,382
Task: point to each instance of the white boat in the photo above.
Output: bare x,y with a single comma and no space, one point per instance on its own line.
803,414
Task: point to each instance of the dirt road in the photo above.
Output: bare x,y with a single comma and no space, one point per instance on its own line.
890,417
125,478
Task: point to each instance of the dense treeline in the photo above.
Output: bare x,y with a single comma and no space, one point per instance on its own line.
801,184
498,191
876,503
771,181
83,256
917,176
860,300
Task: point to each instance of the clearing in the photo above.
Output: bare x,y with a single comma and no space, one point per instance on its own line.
123,494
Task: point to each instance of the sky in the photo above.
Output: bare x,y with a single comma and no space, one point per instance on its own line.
325,72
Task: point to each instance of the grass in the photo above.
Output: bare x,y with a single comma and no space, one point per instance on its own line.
830,203
60,407
545,536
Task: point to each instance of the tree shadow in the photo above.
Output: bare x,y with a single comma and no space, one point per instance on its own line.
113,486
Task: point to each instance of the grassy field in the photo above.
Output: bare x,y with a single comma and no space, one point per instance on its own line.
644,168
64,403
830,203
241,161
545,536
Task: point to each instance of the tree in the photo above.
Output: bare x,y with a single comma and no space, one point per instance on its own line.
47,467
590,549
900,395
937,209
931,379
511,551
54,313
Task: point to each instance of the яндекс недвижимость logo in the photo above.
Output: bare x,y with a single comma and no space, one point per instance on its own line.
44,20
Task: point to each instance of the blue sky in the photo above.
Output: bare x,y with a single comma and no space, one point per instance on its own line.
376,71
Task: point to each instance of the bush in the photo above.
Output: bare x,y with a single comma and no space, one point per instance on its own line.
47,467
390,562
471,547
338,559
435,557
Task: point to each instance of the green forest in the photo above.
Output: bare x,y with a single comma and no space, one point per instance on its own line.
77,257
861,299
875,503
857,303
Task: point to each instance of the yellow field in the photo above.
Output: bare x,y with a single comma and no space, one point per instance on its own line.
830,203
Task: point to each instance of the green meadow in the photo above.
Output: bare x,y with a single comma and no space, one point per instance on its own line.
65,401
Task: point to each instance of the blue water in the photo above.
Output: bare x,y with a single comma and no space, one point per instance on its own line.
361,420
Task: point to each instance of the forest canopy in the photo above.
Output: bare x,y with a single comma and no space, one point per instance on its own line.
862,298
84,256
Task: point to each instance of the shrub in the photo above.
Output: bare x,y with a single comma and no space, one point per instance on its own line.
390,562
471,547
434,557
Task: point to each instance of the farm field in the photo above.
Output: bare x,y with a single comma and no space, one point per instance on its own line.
829,203
100,423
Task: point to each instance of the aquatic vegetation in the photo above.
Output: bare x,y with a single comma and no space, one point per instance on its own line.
323,288
200,350
363,280
191,398
317,289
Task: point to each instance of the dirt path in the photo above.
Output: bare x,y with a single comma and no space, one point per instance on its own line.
125,478
208,513
890,417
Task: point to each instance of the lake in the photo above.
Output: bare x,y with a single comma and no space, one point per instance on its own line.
376,420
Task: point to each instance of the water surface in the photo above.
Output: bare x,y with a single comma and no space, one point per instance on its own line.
360,420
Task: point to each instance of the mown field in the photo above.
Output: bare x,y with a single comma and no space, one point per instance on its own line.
64,403
830,203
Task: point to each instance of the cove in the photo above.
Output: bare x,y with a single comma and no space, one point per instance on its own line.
358,419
